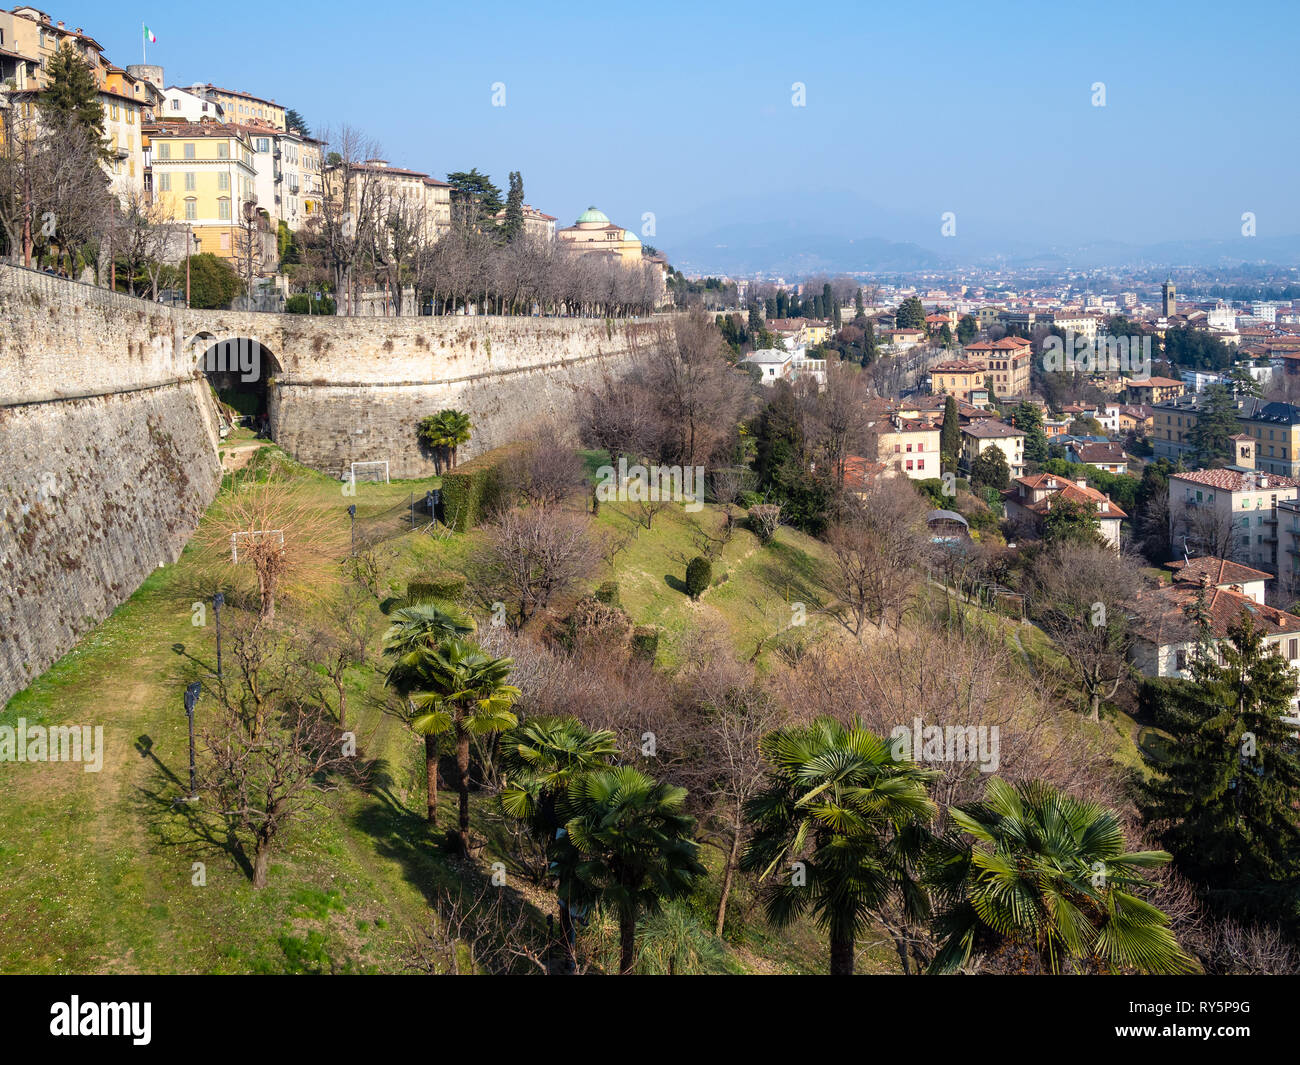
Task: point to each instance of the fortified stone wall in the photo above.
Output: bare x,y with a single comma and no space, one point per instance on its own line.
352,389
107,460
108,433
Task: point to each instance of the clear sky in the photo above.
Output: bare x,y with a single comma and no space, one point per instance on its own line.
684,109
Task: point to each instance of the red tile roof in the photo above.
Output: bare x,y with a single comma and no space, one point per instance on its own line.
1219,570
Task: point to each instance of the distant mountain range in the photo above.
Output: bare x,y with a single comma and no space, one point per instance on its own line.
769,237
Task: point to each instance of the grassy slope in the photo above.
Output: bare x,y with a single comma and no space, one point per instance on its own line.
96,868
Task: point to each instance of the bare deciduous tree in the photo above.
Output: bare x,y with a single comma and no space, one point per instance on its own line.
531,555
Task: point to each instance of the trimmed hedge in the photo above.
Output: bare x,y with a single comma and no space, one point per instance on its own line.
441,584
475,487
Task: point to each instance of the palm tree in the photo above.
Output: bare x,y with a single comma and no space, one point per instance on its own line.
415,627
850,819
541,758
1053,871
464,691
455,432
628,844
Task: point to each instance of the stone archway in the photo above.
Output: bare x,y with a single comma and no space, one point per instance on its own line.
242,372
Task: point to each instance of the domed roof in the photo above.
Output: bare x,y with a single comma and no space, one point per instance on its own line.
593,215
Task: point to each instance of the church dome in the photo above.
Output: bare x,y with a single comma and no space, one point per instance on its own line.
591,216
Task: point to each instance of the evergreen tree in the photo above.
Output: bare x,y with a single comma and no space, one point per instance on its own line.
966,329
73,97
949,435
755,320
1029,420
945,336
294,120
990,469
1225,800
1216,424
859,309
513,227
910,314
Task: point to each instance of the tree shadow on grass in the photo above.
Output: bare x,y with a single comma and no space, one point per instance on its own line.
178,822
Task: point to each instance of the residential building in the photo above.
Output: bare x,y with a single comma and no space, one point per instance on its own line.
773,364
393,188
1108,456
289,172
1154,390
537,225
1006,362
1166,632
240,106
1030,499
1228,513
189,105
958,378
203,174
984,433
909,446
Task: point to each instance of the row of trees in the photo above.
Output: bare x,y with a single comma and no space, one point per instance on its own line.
373,230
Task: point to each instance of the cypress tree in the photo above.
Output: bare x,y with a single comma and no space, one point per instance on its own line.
949,435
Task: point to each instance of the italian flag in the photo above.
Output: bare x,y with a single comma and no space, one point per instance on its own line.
148,36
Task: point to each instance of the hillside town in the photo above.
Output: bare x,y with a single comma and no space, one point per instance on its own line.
396,577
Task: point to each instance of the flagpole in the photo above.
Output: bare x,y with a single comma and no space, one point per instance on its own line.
144,45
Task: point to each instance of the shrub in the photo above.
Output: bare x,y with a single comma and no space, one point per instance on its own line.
304,304
699,574
608,593
645,642
474,489
596,624
765,519
441,584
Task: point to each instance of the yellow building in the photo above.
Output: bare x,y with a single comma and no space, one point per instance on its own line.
242,106
594,233
203,174
379,188
957,378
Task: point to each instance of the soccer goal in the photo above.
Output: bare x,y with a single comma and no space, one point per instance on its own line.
370,471
277,535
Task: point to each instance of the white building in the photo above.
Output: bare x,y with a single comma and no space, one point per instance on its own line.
189,105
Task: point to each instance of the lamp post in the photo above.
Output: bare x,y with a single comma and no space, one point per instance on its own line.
352,519
191,697
218,601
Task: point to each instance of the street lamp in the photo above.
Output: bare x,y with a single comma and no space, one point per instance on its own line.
218,601
352,517
191,698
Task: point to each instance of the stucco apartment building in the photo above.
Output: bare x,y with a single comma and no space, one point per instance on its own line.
1269,439
959,378
29,40
1229,513
1006,363
909,446
984,433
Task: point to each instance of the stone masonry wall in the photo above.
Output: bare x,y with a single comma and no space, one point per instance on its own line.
107,460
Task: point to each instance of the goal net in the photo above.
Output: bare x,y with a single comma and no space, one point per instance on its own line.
370,471
246,538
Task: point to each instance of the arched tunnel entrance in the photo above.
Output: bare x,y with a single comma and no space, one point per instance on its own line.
242,371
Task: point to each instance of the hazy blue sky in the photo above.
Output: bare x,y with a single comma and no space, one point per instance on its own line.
684,109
